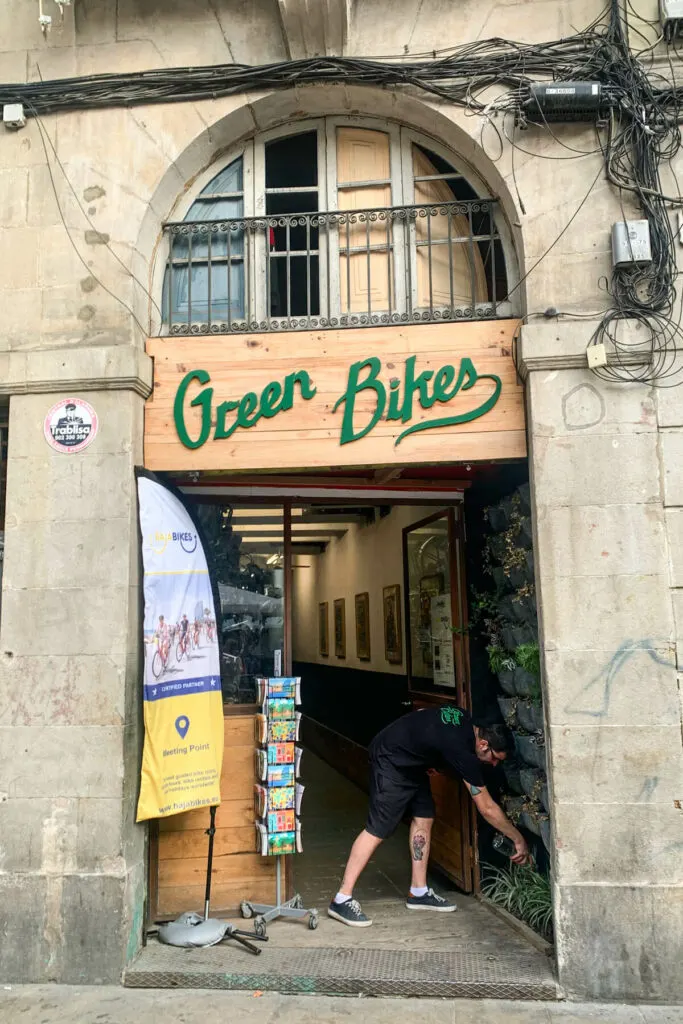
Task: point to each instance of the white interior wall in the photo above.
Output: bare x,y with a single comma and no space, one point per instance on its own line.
366,558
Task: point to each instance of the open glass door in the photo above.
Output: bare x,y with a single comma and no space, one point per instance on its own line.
438,667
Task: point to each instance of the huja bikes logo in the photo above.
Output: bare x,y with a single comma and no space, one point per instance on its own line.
160,539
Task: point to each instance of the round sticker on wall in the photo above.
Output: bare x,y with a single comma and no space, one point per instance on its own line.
70,426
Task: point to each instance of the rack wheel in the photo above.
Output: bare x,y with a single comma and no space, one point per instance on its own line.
245,909
259,926
298,902
313,920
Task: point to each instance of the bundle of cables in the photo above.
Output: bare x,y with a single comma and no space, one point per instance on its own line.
642,133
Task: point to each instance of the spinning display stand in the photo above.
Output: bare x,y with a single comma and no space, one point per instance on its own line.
278,794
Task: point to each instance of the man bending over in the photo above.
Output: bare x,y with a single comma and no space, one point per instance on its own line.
442,738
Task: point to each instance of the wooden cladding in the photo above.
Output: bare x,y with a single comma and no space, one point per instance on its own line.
238,872
445,392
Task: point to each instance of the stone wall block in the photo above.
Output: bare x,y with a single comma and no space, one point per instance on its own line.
18,259
57,554
52,690
24,899
603,612
599,469
603,687
601,540
13,197
77,622
69,489
577,405
33,831
677,598
90,953
99,845
619,843
58,761
671,441
670,402
620,942
114,409
623,764
674,531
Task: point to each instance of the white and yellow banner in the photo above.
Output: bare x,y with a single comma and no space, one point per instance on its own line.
183,751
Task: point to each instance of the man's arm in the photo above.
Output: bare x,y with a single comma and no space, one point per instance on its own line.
489,809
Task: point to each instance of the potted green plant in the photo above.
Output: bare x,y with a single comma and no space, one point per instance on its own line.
523,892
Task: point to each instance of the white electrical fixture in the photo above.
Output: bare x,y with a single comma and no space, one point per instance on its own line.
631,243
671,18
45,20
13,115
597,355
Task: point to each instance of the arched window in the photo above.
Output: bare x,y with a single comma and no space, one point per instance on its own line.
333,225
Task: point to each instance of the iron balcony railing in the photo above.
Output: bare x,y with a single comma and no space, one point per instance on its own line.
346,268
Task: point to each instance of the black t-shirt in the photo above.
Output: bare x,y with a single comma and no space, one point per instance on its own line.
440,738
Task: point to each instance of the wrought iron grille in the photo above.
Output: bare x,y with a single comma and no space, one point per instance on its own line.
346,268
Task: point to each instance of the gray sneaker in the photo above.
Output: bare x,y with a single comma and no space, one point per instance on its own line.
430,901
349,912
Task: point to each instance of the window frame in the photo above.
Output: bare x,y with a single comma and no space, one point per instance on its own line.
401,138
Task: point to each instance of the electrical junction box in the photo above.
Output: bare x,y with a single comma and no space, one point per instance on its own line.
13,115
564,101
631,243
671,18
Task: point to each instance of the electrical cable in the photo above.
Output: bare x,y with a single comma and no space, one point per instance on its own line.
642,134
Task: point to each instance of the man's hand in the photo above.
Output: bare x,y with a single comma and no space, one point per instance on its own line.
521,854
489,809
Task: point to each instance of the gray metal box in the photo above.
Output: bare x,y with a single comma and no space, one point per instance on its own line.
631,243
671,18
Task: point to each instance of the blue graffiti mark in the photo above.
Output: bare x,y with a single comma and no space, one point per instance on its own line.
608,674
648,788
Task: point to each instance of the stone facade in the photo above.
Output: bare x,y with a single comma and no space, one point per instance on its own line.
83,196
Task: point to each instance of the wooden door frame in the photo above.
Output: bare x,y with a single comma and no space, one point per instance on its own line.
463,692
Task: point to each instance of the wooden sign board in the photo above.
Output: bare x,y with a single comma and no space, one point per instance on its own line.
368,397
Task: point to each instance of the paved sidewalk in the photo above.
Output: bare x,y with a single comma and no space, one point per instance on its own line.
63,1004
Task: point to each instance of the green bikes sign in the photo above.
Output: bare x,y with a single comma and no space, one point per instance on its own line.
392,398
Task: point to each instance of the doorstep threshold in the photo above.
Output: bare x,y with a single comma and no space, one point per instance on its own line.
463,972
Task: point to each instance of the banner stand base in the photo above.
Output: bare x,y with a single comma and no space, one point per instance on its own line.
292,909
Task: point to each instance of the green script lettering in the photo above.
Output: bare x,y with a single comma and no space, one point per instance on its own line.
467,378
353,387
203,399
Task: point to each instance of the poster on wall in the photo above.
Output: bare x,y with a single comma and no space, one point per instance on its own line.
442,641
183,708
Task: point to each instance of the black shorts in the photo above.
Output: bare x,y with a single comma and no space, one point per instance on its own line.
392,794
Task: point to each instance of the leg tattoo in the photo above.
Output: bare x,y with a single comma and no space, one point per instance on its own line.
419,843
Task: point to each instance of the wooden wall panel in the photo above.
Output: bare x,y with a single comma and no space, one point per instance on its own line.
238,872
308,434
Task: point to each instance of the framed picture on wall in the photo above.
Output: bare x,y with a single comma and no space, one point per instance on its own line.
323,632
393,640
363,626
340,628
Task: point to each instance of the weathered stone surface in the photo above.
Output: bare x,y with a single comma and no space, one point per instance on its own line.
23,898
640,843
620,942
601,540
46,622
52,555
52,690
600,469
671,441
603,612
604,687
622,764
577,403
13,195
60,761
674,533
118,414
26,824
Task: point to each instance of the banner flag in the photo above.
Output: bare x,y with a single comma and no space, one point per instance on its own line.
183,750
